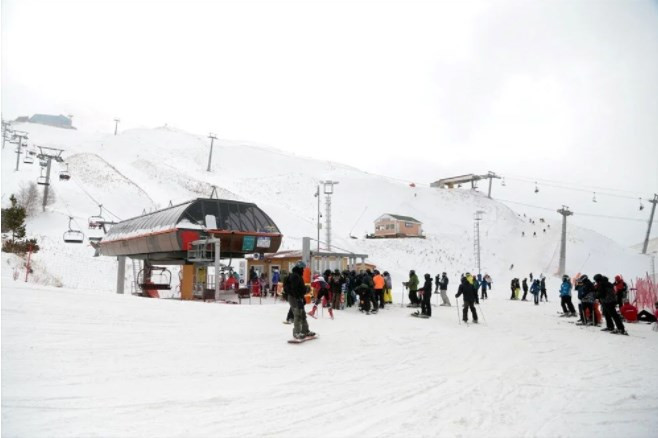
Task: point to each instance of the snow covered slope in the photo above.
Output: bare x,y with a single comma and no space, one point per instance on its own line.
77,364
146,169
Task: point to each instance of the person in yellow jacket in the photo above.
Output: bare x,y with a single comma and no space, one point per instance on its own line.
380,284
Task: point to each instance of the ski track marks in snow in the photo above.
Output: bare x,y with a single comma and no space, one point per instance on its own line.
102,364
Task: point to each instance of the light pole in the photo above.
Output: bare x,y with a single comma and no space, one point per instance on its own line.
318,225
328,191
476,239
564,211
212,138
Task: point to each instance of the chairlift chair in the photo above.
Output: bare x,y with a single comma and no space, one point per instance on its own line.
594,197
641,205
64,175
97,221
28,160
160,278
42,180
73,236
536,188
503,183
43,162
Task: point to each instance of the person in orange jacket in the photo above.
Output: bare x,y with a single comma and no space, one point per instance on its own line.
380,284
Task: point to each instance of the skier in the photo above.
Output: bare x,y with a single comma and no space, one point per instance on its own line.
466,288
321,288
586,294
275,282
388,285
542,288
379,284
512,286
437,283
525,289
621,290
565,297
484,286
426,295
368,279
534,289
412,285
605,293
336,286
443,287
295,290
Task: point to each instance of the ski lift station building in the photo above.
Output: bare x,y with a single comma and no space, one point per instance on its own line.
191,234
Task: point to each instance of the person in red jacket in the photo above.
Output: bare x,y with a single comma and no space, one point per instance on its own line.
629,312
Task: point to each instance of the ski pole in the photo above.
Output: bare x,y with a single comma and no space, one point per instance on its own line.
482,313
458,320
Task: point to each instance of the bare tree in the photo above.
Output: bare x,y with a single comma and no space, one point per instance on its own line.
28,198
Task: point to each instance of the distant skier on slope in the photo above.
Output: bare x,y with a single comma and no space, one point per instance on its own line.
468,291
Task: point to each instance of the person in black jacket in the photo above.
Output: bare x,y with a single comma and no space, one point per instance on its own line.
467,289
295,289
542,288
525,289
426,291
605,293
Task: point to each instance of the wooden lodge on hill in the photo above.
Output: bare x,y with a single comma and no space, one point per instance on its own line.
393,225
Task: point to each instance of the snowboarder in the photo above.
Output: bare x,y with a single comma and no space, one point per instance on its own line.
525,289
466,288
565,297
412,285
605,293
295,290
443,287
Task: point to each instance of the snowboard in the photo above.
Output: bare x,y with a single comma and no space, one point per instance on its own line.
287,322
301,341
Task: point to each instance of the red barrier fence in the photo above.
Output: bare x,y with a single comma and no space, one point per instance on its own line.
646,293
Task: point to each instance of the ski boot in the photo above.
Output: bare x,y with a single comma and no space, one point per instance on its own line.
313,310
331,313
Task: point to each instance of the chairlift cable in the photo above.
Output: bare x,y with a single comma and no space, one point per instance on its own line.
579,214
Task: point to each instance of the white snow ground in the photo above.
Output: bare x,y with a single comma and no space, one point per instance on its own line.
79,360
76,363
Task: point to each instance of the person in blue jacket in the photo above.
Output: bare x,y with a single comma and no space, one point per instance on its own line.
534,290
565,297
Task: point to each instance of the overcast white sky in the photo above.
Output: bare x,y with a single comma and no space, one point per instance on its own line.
559,90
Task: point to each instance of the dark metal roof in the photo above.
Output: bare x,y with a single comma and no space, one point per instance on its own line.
228,215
